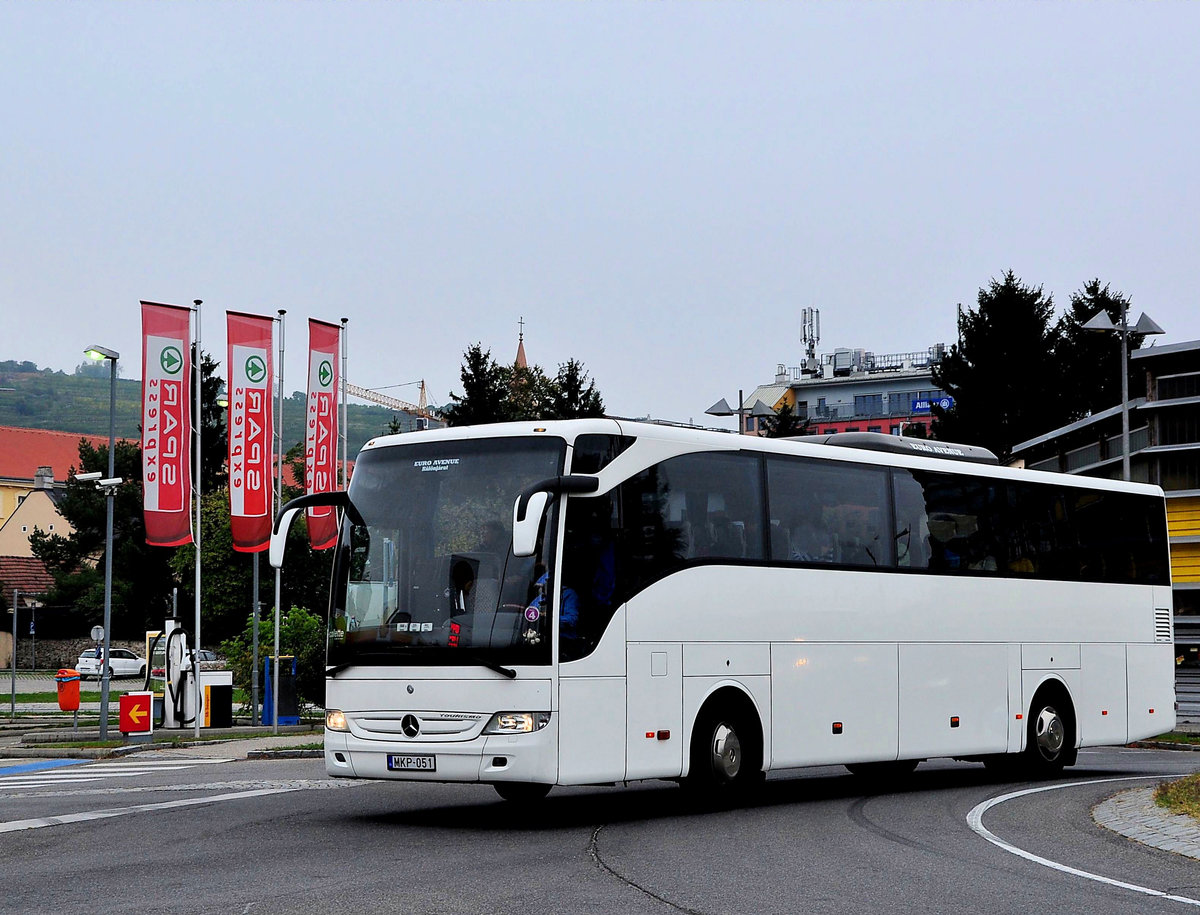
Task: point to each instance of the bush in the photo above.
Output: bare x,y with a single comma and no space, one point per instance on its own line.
301,633
1182,796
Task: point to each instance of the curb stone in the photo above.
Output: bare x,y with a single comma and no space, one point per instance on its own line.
1133,814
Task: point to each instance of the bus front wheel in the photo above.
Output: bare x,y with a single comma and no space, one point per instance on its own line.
726,754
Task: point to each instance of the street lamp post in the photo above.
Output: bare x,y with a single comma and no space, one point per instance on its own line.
759,411
16,603
109,485
1146,327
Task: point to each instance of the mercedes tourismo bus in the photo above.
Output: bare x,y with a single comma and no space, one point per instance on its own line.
597,601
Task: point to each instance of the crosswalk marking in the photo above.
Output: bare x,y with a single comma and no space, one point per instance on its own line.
94,772
227,791
42,822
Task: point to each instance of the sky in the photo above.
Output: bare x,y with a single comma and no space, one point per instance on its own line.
656,188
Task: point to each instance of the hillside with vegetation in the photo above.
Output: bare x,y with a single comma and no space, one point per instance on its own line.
37,398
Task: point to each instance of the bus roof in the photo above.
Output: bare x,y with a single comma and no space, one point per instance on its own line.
864,448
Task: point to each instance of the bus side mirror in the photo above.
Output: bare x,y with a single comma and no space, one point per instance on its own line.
283,521
531,506
279,534
525,529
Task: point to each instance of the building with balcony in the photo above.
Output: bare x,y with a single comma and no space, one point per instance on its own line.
1164,448
853,390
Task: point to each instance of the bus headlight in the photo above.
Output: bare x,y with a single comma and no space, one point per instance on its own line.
517,722
335,720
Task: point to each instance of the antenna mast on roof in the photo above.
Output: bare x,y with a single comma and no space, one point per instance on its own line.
810,336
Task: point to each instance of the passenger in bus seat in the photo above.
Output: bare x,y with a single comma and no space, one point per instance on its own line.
728,537
781,541
495,540
811,542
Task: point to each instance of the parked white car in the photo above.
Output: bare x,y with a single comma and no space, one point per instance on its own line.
121,663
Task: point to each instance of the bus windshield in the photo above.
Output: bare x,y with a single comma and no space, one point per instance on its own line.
429,577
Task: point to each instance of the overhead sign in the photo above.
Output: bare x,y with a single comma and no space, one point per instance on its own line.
926,406
137,713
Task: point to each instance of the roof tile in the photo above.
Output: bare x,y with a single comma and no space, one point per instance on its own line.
28,574
23,451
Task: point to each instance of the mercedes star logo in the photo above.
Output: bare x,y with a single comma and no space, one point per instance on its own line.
410,726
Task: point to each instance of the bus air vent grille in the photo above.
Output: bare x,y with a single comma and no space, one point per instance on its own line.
1162,625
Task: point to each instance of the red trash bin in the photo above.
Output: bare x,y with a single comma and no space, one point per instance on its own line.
68,690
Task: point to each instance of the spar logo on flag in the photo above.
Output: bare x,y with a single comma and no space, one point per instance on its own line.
166,424
321,429
251,425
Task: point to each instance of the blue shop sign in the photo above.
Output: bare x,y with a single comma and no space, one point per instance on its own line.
925,406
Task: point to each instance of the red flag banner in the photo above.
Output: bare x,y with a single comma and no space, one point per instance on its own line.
166,423
251,425
321,428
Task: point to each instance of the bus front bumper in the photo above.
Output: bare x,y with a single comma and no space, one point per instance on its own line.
488,758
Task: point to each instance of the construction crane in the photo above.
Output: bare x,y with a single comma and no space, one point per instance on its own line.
420,409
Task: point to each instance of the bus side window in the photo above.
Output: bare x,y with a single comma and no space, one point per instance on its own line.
966,514
912,522
832,512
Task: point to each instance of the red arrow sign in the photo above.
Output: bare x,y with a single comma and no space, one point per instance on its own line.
136,716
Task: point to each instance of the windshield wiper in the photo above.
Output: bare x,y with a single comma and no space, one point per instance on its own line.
334,669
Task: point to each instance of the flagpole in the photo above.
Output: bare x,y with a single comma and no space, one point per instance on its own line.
278,505
197,426
345,410
254,668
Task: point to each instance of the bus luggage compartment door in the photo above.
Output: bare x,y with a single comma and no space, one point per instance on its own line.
833,703
655,717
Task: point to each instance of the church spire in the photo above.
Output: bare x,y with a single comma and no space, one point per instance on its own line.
522,362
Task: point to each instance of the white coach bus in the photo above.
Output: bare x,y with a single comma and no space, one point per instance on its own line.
595,601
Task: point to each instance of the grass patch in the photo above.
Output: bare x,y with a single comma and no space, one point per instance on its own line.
173,739
1182,796
1177,737
303,746
88,696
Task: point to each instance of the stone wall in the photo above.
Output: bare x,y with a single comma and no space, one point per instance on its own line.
54,654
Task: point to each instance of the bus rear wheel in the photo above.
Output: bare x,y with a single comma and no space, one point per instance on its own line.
521,792
1050,739
726,756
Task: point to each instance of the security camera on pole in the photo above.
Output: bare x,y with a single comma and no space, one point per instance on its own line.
109,486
